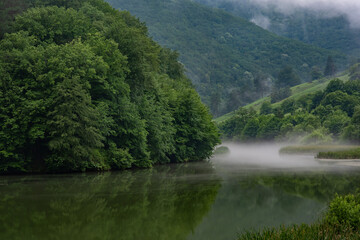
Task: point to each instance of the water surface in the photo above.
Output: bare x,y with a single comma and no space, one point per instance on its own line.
251,188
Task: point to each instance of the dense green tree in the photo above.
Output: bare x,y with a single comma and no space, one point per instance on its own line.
342,100
288,106
334,85
195,133
269,127
266,108
316,99
235,126
83,87
336,122
251,129
73,129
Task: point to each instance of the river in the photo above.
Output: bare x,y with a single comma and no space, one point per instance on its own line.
249,189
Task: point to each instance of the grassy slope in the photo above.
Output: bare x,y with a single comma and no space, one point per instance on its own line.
297,92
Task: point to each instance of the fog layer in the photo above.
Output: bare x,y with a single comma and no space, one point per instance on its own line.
267,157
325,8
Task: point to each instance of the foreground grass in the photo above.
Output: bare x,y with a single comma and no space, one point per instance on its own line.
345,154
341,221
303,232
317,149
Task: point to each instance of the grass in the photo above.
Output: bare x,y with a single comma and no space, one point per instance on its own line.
315,149
345,154
303,232
297,92
341,221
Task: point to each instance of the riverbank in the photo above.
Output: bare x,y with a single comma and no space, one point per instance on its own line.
341,221
316,149
352,154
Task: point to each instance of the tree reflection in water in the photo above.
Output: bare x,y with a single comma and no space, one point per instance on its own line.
165,202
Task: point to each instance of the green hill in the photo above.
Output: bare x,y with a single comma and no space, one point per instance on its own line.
297,92
323,113
222,53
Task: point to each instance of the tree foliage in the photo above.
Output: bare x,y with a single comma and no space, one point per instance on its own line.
82,86
331,114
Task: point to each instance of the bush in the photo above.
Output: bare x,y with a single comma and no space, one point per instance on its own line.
342,221
318,136
222,150
344,211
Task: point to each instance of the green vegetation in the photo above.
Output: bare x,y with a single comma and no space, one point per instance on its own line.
297,92
346,154
315,118
127,205
83,87
302,24
315,149
341,221
221,150
8,10
231,61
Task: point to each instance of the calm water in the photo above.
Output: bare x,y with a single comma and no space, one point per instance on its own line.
252,188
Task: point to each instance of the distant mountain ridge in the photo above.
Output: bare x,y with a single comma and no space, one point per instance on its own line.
333,32
224,54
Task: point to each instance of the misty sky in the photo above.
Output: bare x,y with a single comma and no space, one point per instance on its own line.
329,8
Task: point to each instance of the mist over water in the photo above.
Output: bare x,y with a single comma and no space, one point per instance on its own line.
267,157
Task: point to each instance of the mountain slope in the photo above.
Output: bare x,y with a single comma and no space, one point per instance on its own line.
329,32
298,91
223,54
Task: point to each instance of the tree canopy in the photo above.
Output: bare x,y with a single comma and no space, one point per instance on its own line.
320,117
83,87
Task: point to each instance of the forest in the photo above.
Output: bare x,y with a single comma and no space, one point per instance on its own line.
231,61
332,114
329,32
83,87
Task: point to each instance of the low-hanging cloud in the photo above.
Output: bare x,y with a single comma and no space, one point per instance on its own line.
329,8
261,21
326,8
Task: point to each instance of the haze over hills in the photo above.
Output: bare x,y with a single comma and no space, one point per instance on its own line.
334,30
227,57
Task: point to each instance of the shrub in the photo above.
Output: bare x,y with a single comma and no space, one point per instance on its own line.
344,211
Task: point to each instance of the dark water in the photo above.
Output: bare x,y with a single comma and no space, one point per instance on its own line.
208,200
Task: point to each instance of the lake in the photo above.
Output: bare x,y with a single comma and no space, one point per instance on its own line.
251,188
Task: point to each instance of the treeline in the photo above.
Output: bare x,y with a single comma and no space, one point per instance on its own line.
324,116
83,87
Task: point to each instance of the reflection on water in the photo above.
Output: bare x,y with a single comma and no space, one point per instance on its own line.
210,200
145,204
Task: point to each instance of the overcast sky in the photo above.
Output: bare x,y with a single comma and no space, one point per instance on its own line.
351,8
